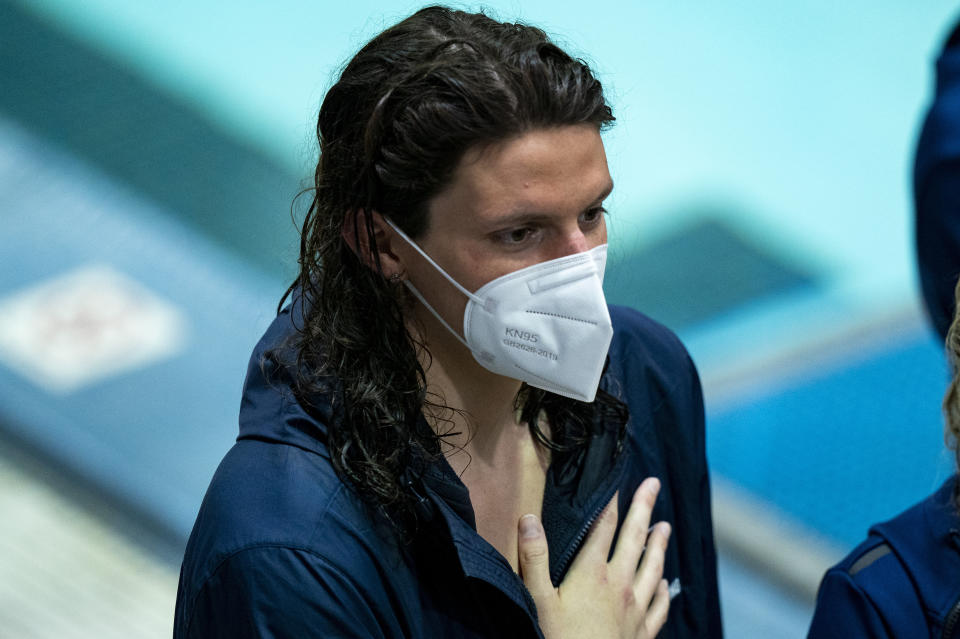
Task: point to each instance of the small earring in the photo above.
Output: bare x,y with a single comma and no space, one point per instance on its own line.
395,278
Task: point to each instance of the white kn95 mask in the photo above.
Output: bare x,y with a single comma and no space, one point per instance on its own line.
545,324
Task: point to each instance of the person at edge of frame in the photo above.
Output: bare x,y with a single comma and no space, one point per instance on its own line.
904,580
447,432
936,190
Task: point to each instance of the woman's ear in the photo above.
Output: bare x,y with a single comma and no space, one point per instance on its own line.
355,234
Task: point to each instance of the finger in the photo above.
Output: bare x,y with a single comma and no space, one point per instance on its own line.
651,566
656,615
596,548
534,558
633,533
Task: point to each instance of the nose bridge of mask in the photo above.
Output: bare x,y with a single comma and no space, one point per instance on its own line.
575,267
600,260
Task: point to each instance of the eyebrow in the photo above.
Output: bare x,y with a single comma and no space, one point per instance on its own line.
517,217
605,193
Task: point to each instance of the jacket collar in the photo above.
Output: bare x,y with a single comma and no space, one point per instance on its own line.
578,487
269,408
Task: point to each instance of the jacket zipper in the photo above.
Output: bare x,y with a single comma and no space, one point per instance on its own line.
566,559
578,540
953,617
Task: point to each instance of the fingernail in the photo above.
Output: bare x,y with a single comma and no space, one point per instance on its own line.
649,489
665,528
529,527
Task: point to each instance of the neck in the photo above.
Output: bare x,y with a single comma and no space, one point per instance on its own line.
483,401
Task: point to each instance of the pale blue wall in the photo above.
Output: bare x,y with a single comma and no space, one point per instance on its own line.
800,117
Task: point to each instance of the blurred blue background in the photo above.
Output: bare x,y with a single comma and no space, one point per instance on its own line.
761,156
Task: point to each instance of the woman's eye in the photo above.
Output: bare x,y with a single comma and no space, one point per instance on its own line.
518,235
593,215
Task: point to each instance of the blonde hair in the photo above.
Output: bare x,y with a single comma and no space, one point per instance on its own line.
951,399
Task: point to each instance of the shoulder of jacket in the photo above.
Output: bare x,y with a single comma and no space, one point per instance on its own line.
869,559
336,526
872,588
651,371
630,321
639,336
281,576
349,560
877,572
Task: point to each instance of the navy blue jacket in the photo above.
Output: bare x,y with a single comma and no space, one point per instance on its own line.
903,581
283,548
936,190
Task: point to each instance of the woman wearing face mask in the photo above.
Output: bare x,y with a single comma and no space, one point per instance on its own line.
447,432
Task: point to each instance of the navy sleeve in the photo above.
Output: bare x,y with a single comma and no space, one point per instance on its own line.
687,406
844,611
278,592
713,622
660,374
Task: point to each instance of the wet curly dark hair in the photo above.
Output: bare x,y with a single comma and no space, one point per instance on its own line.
951,399
392,130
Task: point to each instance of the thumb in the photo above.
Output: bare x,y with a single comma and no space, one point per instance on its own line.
534,558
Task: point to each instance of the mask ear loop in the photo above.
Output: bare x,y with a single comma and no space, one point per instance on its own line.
419,250
419,296
416,293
